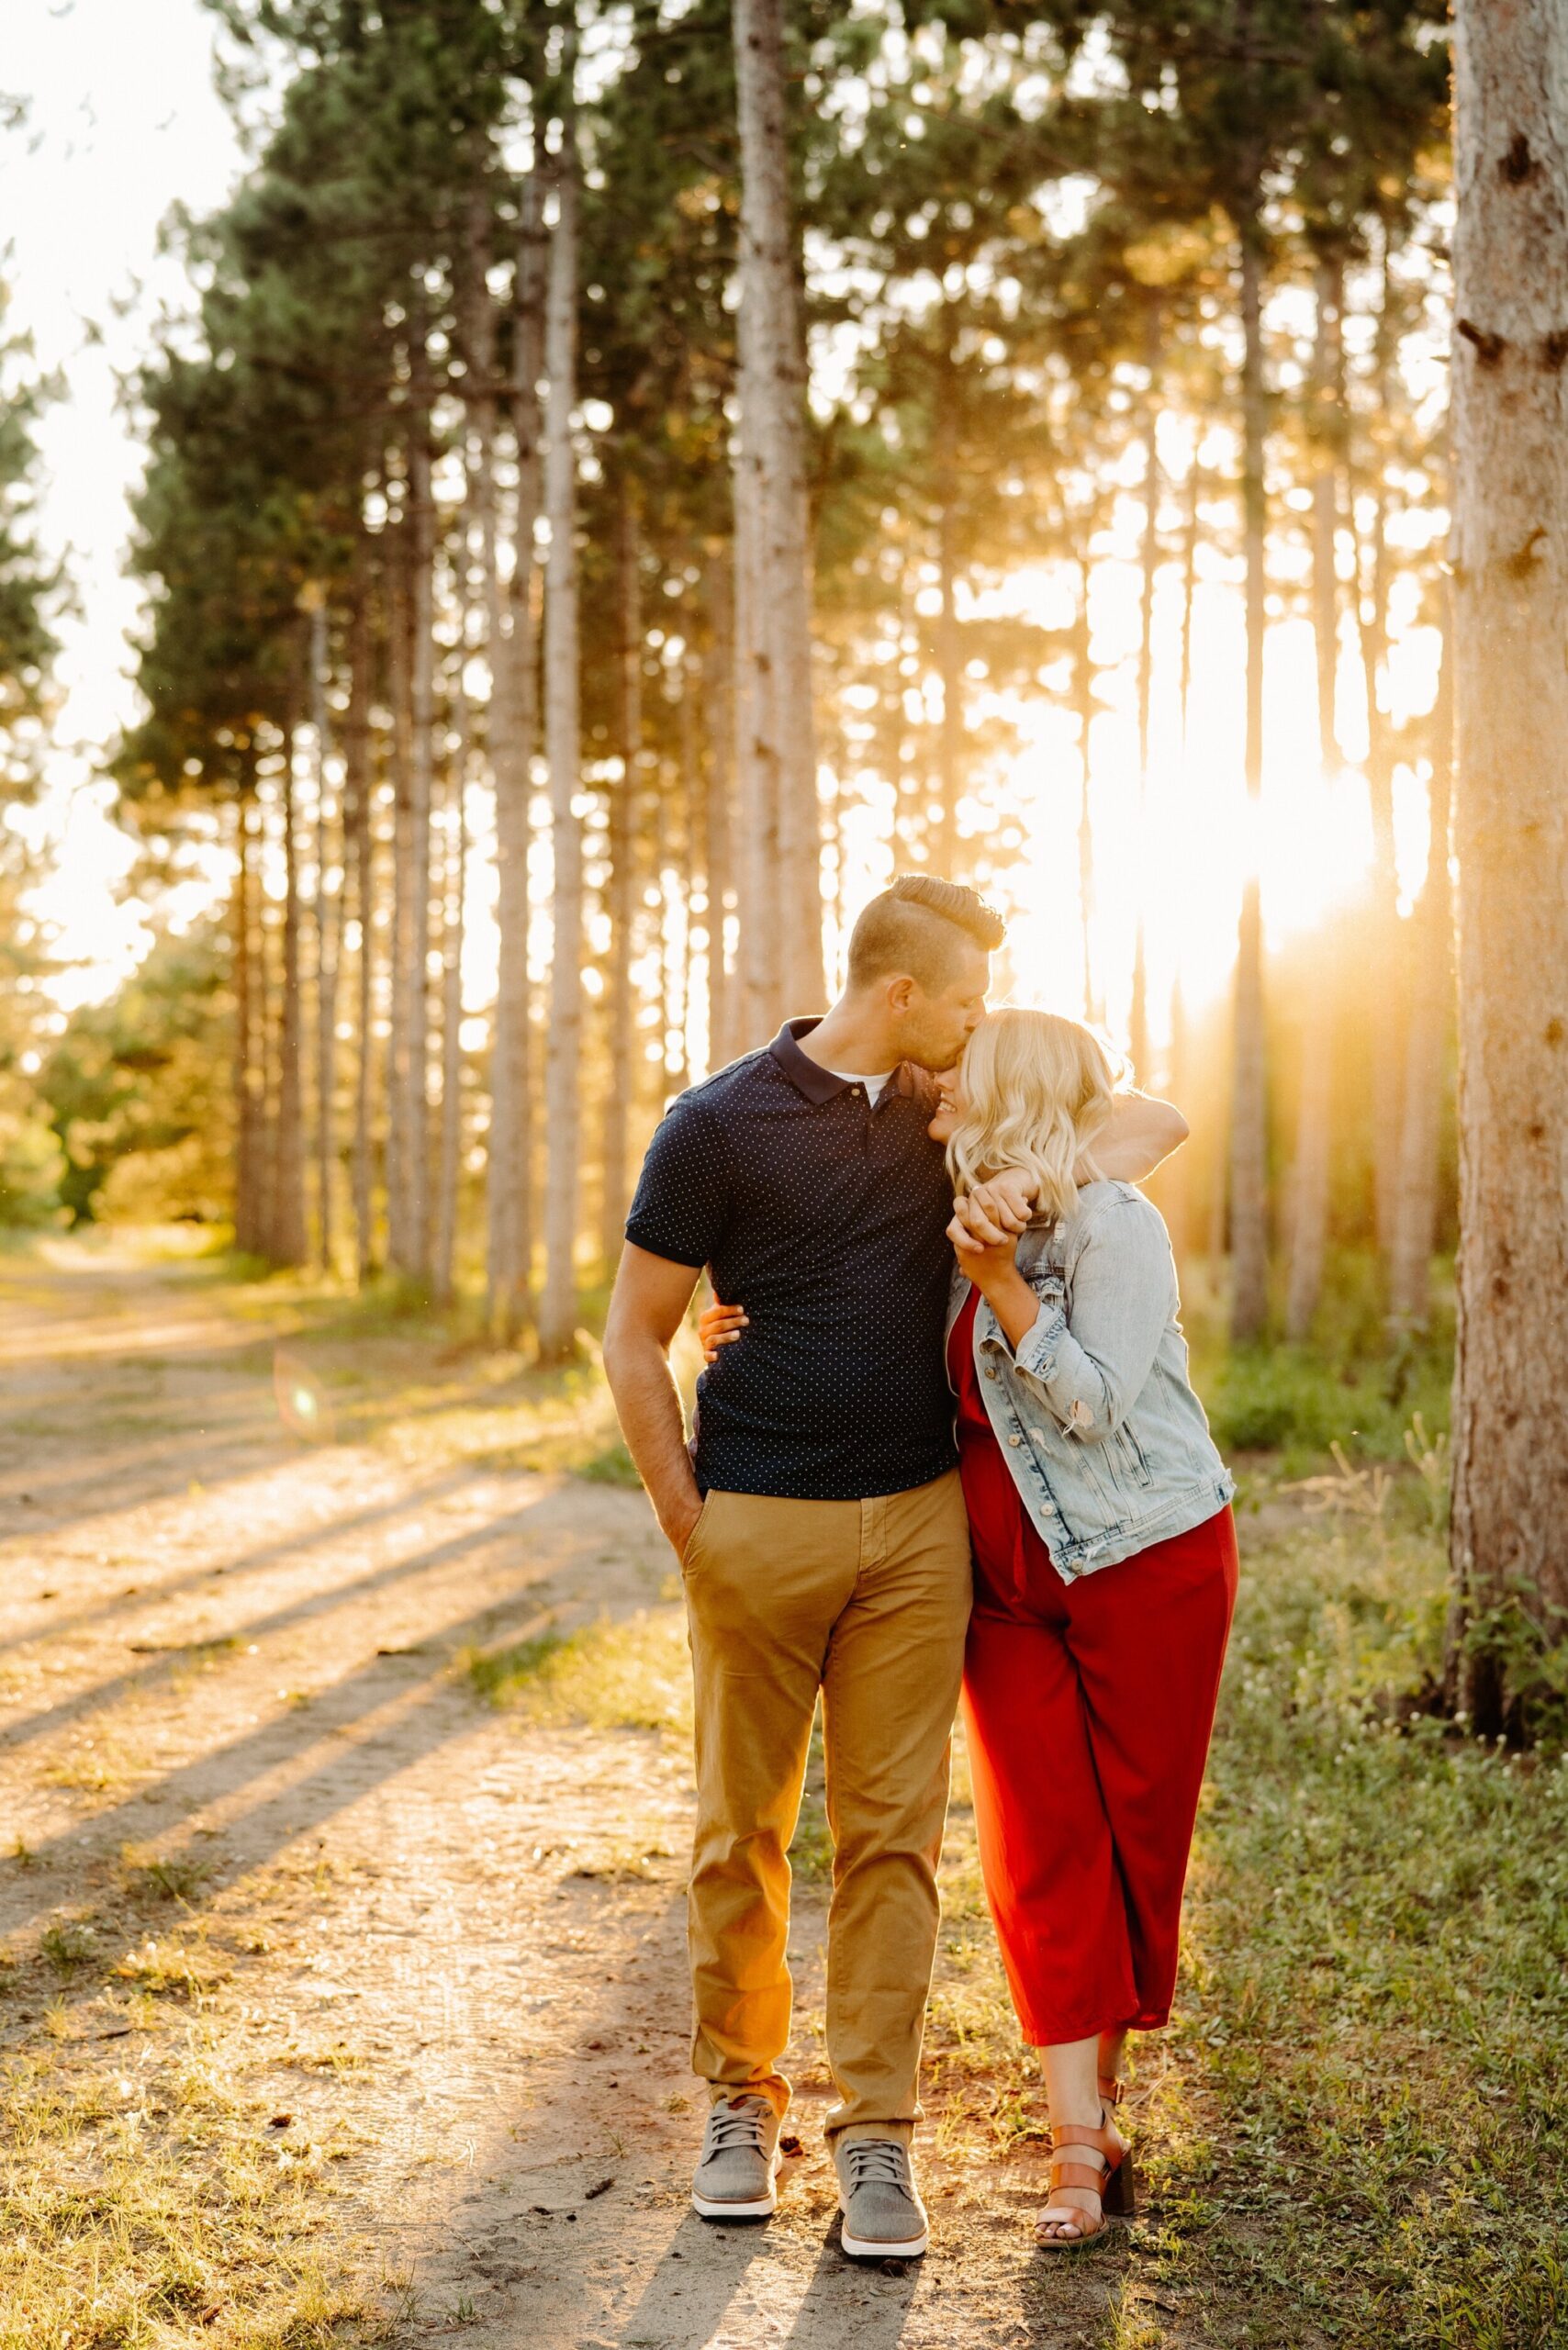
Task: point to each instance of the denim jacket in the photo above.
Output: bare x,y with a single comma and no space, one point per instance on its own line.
1095,1414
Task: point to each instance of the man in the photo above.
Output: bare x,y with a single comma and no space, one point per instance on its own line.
819,1526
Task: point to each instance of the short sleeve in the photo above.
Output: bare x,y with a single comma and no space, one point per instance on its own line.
682,1203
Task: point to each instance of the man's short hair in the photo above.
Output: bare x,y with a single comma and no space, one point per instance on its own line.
915,927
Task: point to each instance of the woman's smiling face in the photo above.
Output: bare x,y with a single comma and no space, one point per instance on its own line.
951,1106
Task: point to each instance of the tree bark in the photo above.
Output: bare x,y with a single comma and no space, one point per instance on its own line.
949,652
449,1158
399,1147
618,894
1189,588
413,1255
288,1233
326,907
1137,1016
1432,1004
1083,704
1309,1184
773,430
513,724
1249,1124
719,670
359,859
1384,973
249,1077
1510,574
759,985
563,1067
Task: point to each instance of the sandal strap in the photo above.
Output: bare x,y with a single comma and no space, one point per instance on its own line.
1112,2093
1083,2224
1066,2174
1079,2133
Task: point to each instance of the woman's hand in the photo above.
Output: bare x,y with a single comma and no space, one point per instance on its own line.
993,1211
720,1326
993,1266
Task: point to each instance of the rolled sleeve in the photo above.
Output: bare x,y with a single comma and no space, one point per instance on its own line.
1089,1373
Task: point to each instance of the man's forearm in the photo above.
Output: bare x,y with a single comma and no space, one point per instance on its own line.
647,1402
1140,1132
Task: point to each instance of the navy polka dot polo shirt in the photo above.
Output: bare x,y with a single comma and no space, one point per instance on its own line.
825,1217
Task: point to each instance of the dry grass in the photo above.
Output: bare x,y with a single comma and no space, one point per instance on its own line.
145,2201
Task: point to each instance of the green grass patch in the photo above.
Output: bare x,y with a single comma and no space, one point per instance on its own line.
631,1675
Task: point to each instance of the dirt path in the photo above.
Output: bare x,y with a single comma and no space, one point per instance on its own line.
447,1946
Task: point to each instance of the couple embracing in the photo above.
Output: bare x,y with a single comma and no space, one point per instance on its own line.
946,1439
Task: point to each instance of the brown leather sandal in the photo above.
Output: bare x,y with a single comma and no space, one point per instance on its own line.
1112,2179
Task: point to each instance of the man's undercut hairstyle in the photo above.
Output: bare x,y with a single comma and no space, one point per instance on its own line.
916,927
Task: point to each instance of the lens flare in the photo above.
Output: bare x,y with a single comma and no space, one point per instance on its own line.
301,1403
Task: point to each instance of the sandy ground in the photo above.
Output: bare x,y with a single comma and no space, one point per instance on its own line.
454,1941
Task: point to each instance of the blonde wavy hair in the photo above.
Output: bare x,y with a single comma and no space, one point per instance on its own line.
1037,1091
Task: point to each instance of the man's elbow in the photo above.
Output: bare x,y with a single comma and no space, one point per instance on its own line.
1171,1130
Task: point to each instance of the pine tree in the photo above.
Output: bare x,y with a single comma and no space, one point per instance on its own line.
1510,622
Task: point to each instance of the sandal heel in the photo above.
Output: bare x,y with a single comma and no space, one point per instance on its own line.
1118,2197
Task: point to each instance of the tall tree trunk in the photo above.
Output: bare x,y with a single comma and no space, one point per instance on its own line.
1083,703
563,1067
413,1257
1385,976
685,865
1309,1185
1176,1177
759,984
619,1008
1137,1016
1415,1228
1189,588
949,652
399,1142
326,907
773,429
288,1232
1249,1124
359,874
265,990
718,672
449,1156
513,726
1510,573
248,1077
903,762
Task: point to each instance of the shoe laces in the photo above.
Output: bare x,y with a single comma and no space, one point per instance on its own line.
877,2162
733,2126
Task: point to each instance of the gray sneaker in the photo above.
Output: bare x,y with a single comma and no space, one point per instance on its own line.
740,2161
884,2219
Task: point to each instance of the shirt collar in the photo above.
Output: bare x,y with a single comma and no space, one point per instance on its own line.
809,1078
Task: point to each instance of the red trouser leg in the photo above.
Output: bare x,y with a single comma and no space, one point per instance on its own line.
1090,1709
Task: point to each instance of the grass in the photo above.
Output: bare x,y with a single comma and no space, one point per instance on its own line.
632,1675
1355,1383
144,2202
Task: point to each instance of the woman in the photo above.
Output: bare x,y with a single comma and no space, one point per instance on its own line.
1105,1559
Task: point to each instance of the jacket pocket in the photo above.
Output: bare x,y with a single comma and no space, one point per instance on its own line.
1130,1460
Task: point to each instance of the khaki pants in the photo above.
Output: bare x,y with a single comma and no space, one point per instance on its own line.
866,1601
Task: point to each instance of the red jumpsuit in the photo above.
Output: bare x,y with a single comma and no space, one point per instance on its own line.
1089,1706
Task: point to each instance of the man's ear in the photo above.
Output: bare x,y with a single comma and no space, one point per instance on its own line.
901,994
